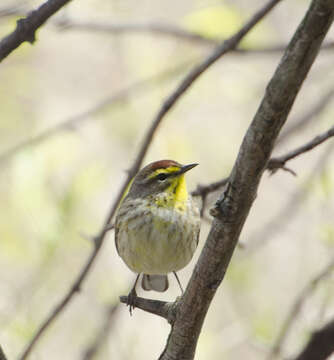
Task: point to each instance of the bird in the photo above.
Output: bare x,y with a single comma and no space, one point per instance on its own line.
157,225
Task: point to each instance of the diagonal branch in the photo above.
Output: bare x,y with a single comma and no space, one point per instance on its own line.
320,345
232,208
26,27
279,162
297,306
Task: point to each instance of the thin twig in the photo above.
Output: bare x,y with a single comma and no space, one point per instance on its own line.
26,27
274,164
87,115
279,162
264,235
296,308
101,336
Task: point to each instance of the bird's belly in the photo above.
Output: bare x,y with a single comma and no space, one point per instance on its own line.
157,244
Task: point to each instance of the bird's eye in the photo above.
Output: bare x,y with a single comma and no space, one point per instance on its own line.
162,177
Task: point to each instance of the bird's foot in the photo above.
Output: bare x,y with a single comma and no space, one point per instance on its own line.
131,300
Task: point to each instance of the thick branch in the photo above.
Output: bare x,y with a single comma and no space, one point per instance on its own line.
320,345
26,27
234,205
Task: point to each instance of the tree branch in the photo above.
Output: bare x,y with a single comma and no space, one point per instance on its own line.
320,345
297,306
274,164
279,162
232,208
290,210
26,27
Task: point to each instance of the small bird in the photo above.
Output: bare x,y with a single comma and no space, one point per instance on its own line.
157,225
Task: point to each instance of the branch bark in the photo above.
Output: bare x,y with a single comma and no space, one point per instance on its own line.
320,345
26,27
233,206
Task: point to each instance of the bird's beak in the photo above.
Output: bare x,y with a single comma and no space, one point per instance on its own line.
186,168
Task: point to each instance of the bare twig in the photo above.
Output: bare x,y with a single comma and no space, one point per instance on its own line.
26,27
279,162
101,336
73,121
297,306
274,164
320,345
169,30
287,213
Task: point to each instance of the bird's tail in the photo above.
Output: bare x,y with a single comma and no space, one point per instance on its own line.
155,282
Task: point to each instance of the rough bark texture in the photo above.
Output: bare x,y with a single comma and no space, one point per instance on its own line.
233,207
26,28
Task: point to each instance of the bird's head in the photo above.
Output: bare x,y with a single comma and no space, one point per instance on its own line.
161,177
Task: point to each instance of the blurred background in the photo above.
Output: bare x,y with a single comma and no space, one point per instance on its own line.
74,110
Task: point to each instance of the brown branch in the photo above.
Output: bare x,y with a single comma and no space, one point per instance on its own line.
296,308
101,336
279,162
233,206
290,210
320,345
26,27
166,310
274,164
75,120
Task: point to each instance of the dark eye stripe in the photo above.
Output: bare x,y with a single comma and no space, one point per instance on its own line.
162,176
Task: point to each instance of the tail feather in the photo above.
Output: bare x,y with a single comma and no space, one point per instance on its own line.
155,282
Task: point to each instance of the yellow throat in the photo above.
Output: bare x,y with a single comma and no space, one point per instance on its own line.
176,195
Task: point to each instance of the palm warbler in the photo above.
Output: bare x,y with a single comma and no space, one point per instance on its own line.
157,225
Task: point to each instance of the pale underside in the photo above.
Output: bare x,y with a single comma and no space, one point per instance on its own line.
159,243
